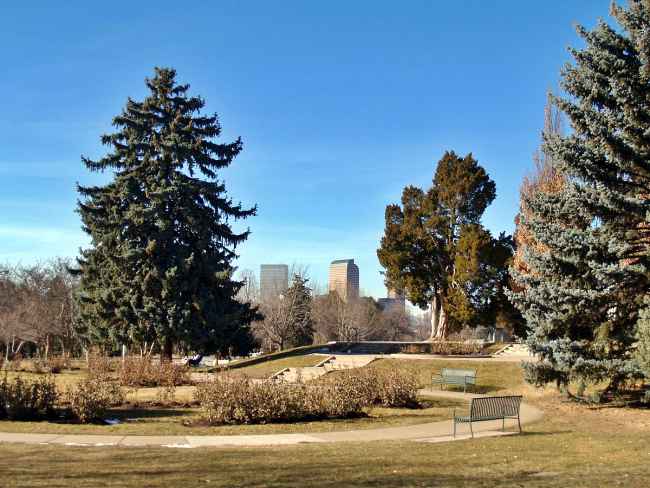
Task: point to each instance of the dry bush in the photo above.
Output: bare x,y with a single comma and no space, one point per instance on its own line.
239,400
90,398
15,365
52,365
57,364
135,371
393,388
101,367
23,399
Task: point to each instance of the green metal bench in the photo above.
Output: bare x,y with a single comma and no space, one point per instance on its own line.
449,376
491,408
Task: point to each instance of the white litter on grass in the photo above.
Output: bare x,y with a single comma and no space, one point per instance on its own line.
178,446
111,421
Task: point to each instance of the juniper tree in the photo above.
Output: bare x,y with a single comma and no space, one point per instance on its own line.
160,265
435,249
588,275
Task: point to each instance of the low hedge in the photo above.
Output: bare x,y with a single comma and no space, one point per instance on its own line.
230,399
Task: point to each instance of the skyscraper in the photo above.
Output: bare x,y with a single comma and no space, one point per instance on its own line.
344,278
274,280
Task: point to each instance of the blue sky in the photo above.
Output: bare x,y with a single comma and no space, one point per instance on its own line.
339,104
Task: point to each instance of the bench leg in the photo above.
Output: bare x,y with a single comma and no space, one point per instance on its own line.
503,424
519,422
454,428
471,429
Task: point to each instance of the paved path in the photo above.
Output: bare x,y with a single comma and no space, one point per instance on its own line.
430,432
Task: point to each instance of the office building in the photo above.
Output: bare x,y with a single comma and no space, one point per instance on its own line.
274,280
344,279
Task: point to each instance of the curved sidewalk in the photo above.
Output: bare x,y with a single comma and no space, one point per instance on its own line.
430,432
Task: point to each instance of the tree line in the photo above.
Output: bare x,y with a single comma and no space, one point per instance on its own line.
38,310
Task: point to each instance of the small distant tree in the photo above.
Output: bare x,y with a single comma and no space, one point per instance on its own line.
299,303
347,320
288,318
394,324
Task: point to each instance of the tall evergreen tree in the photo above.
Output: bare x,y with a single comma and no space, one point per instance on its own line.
434,247
160,263
587,274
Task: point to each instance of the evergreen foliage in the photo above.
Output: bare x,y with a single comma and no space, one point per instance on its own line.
587,275
299,301
435,249
160,263
642,355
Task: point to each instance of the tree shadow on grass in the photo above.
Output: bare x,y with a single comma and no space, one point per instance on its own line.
147,413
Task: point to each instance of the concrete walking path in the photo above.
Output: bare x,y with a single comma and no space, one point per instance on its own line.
430,432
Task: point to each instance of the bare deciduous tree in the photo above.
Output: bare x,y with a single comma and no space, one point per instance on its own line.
37,307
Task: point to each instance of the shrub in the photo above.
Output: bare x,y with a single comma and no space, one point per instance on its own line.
396,389
393,388
137,371
445,348
90,398
57,364
239,400
23,400
101,367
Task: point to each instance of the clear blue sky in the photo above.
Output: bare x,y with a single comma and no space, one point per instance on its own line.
340,105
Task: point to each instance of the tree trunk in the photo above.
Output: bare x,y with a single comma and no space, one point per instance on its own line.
438,320
166,353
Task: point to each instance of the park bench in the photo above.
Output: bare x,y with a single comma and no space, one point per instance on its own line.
449,376
491,408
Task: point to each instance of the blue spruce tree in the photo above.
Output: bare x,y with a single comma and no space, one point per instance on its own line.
586,276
